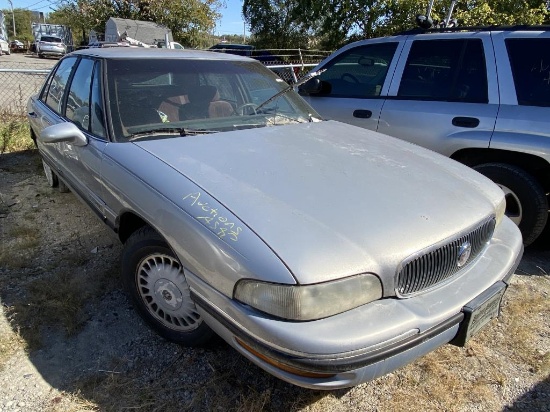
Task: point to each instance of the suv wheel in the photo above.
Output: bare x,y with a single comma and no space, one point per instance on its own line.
526,202
155,280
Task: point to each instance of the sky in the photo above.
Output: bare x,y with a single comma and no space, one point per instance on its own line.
231,22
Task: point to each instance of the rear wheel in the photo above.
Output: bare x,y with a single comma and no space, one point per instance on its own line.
156,282
51,177
526,202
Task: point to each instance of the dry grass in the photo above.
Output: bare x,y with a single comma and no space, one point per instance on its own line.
14,133
70,402
17,250
10,342
59,300
523,316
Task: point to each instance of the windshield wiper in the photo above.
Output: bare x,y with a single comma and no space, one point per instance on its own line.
181,131
290,87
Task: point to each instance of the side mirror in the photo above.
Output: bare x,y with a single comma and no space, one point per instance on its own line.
312,86
63,132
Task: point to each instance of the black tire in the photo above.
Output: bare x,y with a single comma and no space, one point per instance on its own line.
51,177
169,309
62,187
526,202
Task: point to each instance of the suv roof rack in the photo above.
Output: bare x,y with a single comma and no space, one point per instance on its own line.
524,27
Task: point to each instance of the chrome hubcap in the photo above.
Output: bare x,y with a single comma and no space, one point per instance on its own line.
162,287
513,205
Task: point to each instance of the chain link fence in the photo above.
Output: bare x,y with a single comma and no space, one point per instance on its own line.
19,81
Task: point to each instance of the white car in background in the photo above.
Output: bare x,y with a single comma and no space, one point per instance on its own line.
4,47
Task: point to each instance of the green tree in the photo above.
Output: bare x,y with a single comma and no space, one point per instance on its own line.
189,20
23,20
501,12
332,23
275,23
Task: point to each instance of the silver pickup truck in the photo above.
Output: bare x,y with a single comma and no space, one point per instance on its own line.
481,97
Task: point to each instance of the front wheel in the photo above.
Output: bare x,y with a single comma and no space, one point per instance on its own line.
526,202
155,280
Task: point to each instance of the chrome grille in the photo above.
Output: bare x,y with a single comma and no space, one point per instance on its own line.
436,265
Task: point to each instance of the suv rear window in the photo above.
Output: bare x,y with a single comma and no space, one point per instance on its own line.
51,39
530,62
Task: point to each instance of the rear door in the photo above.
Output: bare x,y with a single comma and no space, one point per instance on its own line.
524,72
355,81
444,94
48,108
74,94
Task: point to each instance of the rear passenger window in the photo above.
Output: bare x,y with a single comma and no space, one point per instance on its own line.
54,96
358,72
530,62
78,100
445,70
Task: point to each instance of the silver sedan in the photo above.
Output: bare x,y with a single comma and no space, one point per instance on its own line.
326,254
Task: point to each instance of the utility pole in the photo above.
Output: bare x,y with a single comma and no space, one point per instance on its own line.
12,19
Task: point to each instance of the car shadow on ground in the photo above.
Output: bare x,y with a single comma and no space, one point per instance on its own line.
537,399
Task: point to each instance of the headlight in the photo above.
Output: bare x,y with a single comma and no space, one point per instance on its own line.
499,211
309,302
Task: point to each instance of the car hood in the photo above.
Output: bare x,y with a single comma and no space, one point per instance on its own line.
331,199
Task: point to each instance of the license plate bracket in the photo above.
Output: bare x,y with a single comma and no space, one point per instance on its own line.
478,312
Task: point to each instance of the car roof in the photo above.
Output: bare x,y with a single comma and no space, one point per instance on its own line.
463,29
156,53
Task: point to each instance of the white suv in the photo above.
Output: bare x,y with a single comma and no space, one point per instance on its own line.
480,96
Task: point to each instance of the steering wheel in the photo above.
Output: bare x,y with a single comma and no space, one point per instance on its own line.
351,76
247,107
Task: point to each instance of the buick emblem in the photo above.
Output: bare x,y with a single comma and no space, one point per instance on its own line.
464,253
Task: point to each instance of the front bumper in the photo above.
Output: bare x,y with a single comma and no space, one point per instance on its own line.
364,343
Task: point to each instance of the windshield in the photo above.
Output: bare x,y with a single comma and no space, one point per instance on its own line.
185,97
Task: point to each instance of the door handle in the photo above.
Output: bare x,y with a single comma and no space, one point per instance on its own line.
33,115
362,114
469,122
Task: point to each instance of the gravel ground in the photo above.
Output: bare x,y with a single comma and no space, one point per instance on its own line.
96,354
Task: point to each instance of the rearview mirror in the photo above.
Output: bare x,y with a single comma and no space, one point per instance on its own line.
366,61
63,132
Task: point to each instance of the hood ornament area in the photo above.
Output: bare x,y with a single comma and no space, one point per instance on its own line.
464,252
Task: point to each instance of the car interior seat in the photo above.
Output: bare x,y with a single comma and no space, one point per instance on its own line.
204,103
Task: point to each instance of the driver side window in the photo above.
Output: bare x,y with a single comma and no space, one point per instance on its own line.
358,72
